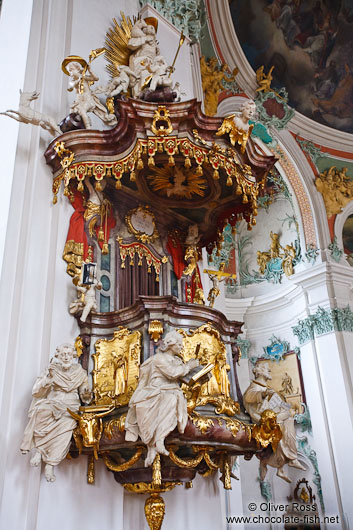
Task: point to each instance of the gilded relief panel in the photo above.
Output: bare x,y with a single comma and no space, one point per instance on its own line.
116,368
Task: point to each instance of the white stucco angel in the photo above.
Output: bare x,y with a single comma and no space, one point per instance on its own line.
258,397
120,83
158,405
86,301
50,426
237,125
159,70
81,79
247,112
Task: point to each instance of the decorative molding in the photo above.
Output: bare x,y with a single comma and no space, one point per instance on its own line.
276,349
310,149
304,447
298,187
322,322
311,253
187,16
244,346
265,488
281,98
304,420
335,251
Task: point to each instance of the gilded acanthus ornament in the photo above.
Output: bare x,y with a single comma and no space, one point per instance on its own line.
155,330
336,188
268,431
66,158
212,77
237,126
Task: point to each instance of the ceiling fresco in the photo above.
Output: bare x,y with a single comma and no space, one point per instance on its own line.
310,44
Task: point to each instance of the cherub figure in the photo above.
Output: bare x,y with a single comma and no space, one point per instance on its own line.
120,83
237,126
159,70
86,299
247,112
81,79
263,80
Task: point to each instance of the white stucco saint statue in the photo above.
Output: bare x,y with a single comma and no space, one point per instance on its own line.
50,426
259,397
145,60
158,405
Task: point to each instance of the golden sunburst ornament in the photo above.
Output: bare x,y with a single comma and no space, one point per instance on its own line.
116,43
174,182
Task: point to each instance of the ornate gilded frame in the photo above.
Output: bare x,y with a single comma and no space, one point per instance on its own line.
139,234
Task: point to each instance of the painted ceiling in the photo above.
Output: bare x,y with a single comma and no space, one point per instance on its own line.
310,44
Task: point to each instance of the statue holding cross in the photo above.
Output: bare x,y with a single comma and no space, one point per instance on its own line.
216,278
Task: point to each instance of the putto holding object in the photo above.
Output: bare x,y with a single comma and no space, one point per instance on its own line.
81,79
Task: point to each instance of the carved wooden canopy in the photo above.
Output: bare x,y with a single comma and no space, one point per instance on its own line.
167,156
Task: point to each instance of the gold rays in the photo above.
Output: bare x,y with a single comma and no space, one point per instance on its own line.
116,40
174,182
